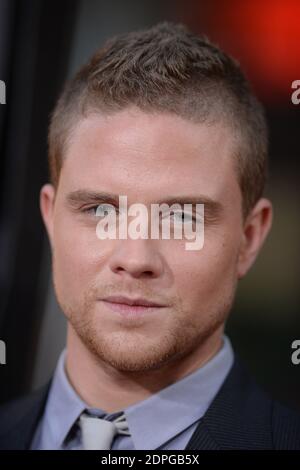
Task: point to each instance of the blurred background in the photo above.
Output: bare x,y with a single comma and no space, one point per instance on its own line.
42,43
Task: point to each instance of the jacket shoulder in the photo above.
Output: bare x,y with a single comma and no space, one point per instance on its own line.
285,427
19,418
244,416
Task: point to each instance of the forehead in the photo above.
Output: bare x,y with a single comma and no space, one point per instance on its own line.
139,153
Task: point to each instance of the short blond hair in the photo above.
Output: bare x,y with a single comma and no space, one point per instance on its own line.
167,68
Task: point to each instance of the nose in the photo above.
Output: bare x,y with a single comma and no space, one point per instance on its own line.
137,258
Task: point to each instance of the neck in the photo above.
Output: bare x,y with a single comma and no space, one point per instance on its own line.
102,386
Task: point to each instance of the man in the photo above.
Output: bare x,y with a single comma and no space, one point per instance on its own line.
158,116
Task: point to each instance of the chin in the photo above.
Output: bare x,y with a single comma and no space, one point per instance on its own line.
131,354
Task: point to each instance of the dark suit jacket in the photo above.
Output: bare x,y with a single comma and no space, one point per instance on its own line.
241,416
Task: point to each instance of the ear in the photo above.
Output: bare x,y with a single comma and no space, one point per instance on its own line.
47,200
255,231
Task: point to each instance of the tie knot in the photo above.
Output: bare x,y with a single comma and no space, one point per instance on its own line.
121,424
98,433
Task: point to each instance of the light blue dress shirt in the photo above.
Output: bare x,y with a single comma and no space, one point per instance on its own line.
166,420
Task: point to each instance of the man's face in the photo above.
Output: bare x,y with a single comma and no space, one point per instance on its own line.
149,158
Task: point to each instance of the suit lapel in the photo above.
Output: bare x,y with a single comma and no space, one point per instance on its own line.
22,417
238,418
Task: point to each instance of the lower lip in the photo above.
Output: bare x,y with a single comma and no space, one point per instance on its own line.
131,310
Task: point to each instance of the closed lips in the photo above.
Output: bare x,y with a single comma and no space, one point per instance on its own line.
127,301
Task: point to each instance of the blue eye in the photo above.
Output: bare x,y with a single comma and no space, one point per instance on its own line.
183,217
100,210
104,209
90,210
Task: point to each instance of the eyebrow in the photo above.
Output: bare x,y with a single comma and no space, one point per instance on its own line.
82,196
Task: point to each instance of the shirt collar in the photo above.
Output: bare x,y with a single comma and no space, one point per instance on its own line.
152,421
64,405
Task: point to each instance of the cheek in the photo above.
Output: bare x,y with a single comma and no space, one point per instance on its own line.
78,254
205,276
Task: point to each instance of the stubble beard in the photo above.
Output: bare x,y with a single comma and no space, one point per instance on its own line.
131,349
